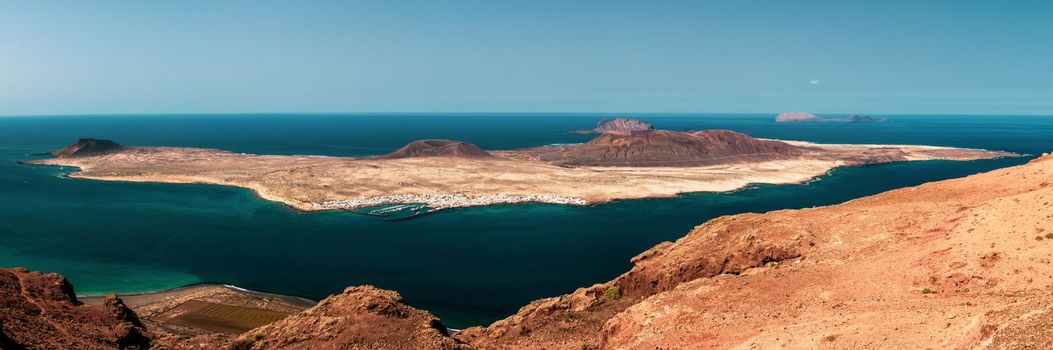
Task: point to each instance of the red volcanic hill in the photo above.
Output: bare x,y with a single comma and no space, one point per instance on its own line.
359,318
438,148
670,148
88,147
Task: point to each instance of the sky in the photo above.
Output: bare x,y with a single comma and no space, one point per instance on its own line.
736,56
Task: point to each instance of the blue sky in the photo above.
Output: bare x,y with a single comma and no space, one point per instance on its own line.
85,57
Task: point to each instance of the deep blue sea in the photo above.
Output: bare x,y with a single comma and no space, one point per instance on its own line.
469,266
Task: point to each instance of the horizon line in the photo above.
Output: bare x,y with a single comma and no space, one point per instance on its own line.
609,114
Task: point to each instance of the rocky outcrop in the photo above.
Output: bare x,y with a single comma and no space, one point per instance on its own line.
88,147
855,118
577,320
794,117
668,148
789,117
618,124
40,311
438,148
359,318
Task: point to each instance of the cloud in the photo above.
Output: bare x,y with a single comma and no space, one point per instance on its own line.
813,82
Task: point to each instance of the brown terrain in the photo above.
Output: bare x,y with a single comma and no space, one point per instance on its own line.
665,148
359,318
618,124
88,147
206,316
615,165
40,311
437,148
957,264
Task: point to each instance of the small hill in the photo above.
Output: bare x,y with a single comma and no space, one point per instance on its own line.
670,148
359,318
438,148
618,124
88,147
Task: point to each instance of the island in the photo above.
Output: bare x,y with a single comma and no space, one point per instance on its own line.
617,124
430,175
803,117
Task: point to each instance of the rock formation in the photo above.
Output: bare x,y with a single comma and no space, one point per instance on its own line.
40,311
88,147
787,117
618,124
855,118
438,148
792,117
359,318
668,148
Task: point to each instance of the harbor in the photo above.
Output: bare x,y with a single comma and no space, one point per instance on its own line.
405,206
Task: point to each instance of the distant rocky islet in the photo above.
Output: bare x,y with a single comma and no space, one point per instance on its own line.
804,117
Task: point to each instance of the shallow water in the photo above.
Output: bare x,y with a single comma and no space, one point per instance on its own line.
469,266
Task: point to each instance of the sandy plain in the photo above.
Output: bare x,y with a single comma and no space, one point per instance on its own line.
311,183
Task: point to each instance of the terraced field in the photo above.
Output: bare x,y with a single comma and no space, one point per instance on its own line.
219,317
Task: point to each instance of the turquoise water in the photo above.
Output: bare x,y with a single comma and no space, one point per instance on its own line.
469,266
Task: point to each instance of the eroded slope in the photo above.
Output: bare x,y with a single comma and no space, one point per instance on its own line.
957,264
40,311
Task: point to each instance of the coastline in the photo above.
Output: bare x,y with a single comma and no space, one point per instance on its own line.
318,183
806,247
441,201
136,300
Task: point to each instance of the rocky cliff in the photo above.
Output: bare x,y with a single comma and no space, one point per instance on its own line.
618,124
40,311
438,148
957,264
88,147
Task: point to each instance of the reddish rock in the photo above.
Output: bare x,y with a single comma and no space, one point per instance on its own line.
668,148
359,318
438,148
40,311
871,272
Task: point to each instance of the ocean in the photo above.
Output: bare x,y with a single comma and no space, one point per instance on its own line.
468,266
